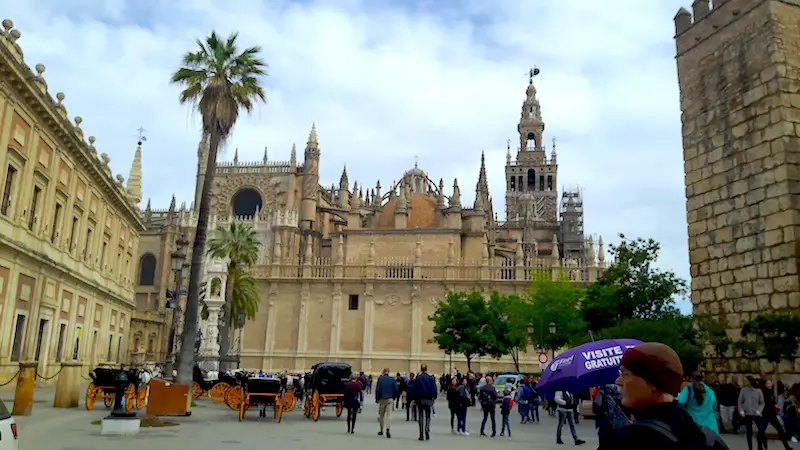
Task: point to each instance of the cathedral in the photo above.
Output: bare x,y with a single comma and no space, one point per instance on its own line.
342,273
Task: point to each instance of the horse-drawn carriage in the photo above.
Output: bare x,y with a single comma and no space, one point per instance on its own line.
104,386
325,386
215,388
262,392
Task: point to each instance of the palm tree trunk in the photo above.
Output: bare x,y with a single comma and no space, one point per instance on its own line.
190,319
224,329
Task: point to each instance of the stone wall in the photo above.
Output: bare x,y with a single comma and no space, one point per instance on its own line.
738,69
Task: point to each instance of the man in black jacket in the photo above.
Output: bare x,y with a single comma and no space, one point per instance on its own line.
650,376
424,395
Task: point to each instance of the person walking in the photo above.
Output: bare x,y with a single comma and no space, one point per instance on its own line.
700,402
534,403
466,402
385,392
770,413
487,396
566,412
728,398
352,395
453,404
523,398
411,406
401,388
425,394
751,407
505,413
608,414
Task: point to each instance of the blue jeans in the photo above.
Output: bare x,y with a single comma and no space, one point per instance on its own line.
533,408
524,413
461,415
570,418
506,424
486,414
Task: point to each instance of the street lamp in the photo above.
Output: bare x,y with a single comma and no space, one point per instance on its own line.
553,332
181,271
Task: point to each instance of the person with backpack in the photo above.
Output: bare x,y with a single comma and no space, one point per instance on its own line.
534,403
770,413
523,398
608,414
567,402
650,377
505,412
700,402
487,396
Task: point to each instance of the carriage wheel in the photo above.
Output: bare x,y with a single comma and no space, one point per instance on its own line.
141,397
339,409
233,397
289,401
307,407
218,391
130,398
107,401
315,407
243,407
91,396
278,408
197,390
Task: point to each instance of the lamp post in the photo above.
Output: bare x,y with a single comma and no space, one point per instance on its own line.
552,333
180,270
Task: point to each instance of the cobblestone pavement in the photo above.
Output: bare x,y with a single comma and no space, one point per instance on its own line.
217,427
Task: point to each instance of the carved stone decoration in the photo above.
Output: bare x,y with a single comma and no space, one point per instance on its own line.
435,300
305,293
414,297
392,299
369,290
379,300
226,186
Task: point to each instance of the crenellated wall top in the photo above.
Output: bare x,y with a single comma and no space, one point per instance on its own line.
33,89
692,28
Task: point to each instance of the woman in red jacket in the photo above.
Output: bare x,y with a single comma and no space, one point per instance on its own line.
352,401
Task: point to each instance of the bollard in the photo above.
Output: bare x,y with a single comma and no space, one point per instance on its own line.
119,397
23,395
68,386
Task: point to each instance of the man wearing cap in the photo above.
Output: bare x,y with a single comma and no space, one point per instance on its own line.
650,376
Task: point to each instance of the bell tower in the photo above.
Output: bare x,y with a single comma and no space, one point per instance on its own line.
531,194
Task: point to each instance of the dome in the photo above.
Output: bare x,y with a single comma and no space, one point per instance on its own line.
416,171
422,213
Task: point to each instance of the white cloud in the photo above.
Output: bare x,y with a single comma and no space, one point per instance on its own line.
385,82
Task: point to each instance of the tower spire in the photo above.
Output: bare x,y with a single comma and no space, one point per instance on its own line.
134,186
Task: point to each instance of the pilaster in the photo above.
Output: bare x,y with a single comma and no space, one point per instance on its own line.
269,340
305,295
366,349
416,325
335,318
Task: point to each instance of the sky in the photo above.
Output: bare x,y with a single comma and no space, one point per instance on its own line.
389,83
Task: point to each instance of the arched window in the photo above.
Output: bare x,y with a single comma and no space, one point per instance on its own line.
246,202
531,180
513,183
532,142
147,270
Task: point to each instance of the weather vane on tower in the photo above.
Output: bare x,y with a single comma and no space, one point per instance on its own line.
532,73
141,137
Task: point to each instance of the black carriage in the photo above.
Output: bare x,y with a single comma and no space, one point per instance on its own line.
262,392
325,385
215,389
104,386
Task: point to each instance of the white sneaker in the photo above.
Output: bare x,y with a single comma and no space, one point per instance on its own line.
454,431
794,439
464,433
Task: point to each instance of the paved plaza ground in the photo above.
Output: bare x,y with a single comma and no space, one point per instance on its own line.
217,427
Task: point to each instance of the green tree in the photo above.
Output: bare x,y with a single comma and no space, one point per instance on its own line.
631,287
507,326
238,243
244,299
554,302
461,324
218,81
774,337
678,332
713,334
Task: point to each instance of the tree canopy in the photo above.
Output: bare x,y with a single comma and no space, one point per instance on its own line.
460,324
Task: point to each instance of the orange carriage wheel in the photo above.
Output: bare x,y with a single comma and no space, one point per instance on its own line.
218,391
243,404
91,396
233,397
108,400
130,397
141,397
307,406
197,390
339,408
289,401
278,408
316,406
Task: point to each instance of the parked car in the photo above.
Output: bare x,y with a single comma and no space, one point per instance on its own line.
505,381
8,429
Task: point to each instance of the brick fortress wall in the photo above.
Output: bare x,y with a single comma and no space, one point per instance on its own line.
739,76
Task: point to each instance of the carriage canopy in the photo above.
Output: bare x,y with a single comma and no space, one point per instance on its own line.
330,377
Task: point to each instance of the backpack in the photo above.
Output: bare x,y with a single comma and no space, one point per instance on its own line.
712,442
486,399
525,393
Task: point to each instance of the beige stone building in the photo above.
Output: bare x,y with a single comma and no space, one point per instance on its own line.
352,272
738,68
69,230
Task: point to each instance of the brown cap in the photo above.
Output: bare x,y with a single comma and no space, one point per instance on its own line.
656,363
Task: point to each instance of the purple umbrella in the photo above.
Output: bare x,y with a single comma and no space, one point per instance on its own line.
585,366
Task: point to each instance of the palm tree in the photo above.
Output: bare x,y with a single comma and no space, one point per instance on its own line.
239,244
217,81
244,300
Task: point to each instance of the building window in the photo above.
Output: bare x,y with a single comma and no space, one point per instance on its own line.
37,191
150,346
353,305
73,232
119,347
62,329
541,182
147,270
110,345
11,173
76,348
136,344
103,254
56,223
87,249
40,338
531,180
549,182
19,335
513,184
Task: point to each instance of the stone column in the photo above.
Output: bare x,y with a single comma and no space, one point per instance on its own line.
416,326
211,346
23,395
68,386
366,348
305,296
335,307
269,338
